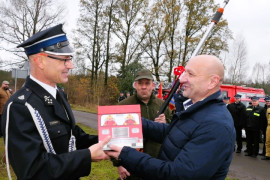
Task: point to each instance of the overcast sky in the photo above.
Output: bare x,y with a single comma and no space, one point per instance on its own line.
250,18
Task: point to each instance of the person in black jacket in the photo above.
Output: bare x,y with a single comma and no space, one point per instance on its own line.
263,129
121,97
238,112
255,117
226,100
39,126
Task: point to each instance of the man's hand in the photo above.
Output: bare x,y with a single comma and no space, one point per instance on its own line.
114,152
123,173
161,119
97,154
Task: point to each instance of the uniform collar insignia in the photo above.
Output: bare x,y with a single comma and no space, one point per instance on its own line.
48,100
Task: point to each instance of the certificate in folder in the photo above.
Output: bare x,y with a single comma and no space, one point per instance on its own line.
123,123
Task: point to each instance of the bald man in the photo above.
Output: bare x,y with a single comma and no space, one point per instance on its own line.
199,142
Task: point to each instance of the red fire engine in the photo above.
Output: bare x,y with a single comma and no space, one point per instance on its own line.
245,92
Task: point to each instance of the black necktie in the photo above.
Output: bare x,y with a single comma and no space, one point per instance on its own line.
61,100
58,98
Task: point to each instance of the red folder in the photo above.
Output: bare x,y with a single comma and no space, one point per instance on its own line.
121,122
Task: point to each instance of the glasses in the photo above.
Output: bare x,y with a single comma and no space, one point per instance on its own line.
57,58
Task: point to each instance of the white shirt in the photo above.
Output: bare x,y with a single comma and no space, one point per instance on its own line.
50,89
187,104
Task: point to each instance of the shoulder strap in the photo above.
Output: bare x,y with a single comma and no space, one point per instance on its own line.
22,96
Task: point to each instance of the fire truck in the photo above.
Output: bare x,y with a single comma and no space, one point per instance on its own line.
227,90
245,92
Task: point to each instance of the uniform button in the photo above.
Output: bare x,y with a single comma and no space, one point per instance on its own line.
59,132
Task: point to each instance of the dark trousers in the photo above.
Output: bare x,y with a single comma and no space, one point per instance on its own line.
264,139
239,137
253,139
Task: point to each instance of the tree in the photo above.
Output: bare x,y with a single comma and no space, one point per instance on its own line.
174,28
20,19
268,72
126,29
156,33
89,37
238,60
125,84
172,11
198,16
259,73
109,13
267,87
159,44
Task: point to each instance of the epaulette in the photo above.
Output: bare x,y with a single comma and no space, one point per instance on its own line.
22,96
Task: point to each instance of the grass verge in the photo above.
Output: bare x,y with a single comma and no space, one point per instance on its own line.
88,108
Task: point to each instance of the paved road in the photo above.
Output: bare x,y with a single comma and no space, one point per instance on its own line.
242,167
249,168
85,118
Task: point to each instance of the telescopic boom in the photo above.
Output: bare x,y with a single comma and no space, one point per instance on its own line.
215,20
176,85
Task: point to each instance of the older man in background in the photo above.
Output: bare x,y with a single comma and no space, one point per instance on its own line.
4,96
150,105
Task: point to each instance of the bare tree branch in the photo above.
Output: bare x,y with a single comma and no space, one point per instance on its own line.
20,19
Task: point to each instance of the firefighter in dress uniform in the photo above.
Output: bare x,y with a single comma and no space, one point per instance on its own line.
226,100
41,138
254,121
238,112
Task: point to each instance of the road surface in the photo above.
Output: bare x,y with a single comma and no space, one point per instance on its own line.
249,168
85,118
242,167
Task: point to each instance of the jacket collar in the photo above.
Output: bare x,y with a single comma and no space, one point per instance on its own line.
48,99
214,97
150,100
50,89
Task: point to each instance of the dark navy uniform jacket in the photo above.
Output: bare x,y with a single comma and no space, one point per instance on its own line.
26,152
255,118
197,144
238,112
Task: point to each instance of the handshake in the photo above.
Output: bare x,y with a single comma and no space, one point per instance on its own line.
97,153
